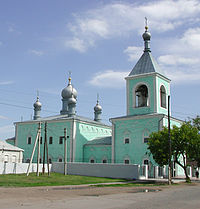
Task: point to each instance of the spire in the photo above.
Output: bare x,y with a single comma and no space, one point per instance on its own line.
69,79
146,63
97,110
37,108
146,36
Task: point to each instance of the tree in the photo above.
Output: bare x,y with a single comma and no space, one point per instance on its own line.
184,141
194,153
196,122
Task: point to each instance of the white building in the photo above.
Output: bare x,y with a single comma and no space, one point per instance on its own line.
10,153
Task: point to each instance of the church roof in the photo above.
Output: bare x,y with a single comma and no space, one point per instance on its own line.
100,141
64,117
146,64
5,146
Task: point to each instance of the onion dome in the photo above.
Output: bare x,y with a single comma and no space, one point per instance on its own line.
97,107
72,100
146,35
68,91
37,104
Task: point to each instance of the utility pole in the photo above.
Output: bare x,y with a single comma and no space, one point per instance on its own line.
65,151
35,144
47,151
170,148
38,156
45,141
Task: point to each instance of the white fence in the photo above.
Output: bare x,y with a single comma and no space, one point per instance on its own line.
99,170
17,168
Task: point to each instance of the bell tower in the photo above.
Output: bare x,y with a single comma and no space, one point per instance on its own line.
147,86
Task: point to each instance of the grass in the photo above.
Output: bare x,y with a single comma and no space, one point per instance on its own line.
55,179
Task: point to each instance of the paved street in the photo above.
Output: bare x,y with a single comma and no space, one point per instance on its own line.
174,197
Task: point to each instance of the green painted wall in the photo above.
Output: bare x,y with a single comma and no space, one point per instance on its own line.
83,132
54,129
97,152
132,84
86,132
166,84
136,130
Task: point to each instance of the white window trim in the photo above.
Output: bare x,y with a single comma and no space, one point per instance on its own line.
144,136
134,95
92,158
128,160
165,96
105,158
127,138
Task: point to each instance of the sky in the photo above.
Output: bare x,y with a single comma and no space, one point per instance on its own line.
99,41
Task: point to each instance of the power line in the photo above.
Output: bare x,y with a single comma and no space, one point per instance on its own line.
20,106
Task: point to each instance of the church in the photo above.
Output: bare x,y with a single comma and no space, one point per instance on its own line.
91,141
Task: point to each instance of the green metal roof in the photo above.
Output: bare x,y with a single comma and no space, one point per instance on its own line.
146,64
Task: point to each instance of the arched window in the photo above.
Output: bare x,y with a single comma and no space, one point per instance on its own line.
126,161
162,97
141,96
104,161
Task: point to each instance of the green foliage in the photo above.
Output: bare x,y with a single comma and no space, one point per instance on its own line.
196,122
185,141
159,146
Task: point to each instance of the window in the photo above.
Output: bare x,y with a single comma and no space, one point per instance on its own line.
6,159
60,159
50,140
146,162
14,158
61,139
146,139
29,140
141,96
50,161
126,161
126,140
92,161
162,97
41,140
104,161
28,160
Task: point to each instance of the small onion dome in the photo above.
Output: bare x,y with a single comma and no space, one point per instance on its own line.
146,35
72,100
37,104
68,91
98,107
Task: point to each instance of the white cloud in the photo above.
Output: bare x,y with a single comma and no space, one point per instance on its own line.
121,19
133,52
3,117
181,61
36,52
178,76
76,44
12,29
109,79
6,83
176,59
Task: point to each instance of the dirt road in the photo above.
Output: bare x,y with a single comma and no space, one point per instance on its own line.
183,196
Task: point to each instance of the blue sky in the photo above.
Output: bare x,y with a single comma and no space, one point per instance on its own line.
99,41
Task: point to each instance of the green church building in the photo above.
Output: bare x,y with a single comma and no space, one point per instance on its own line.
91,141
